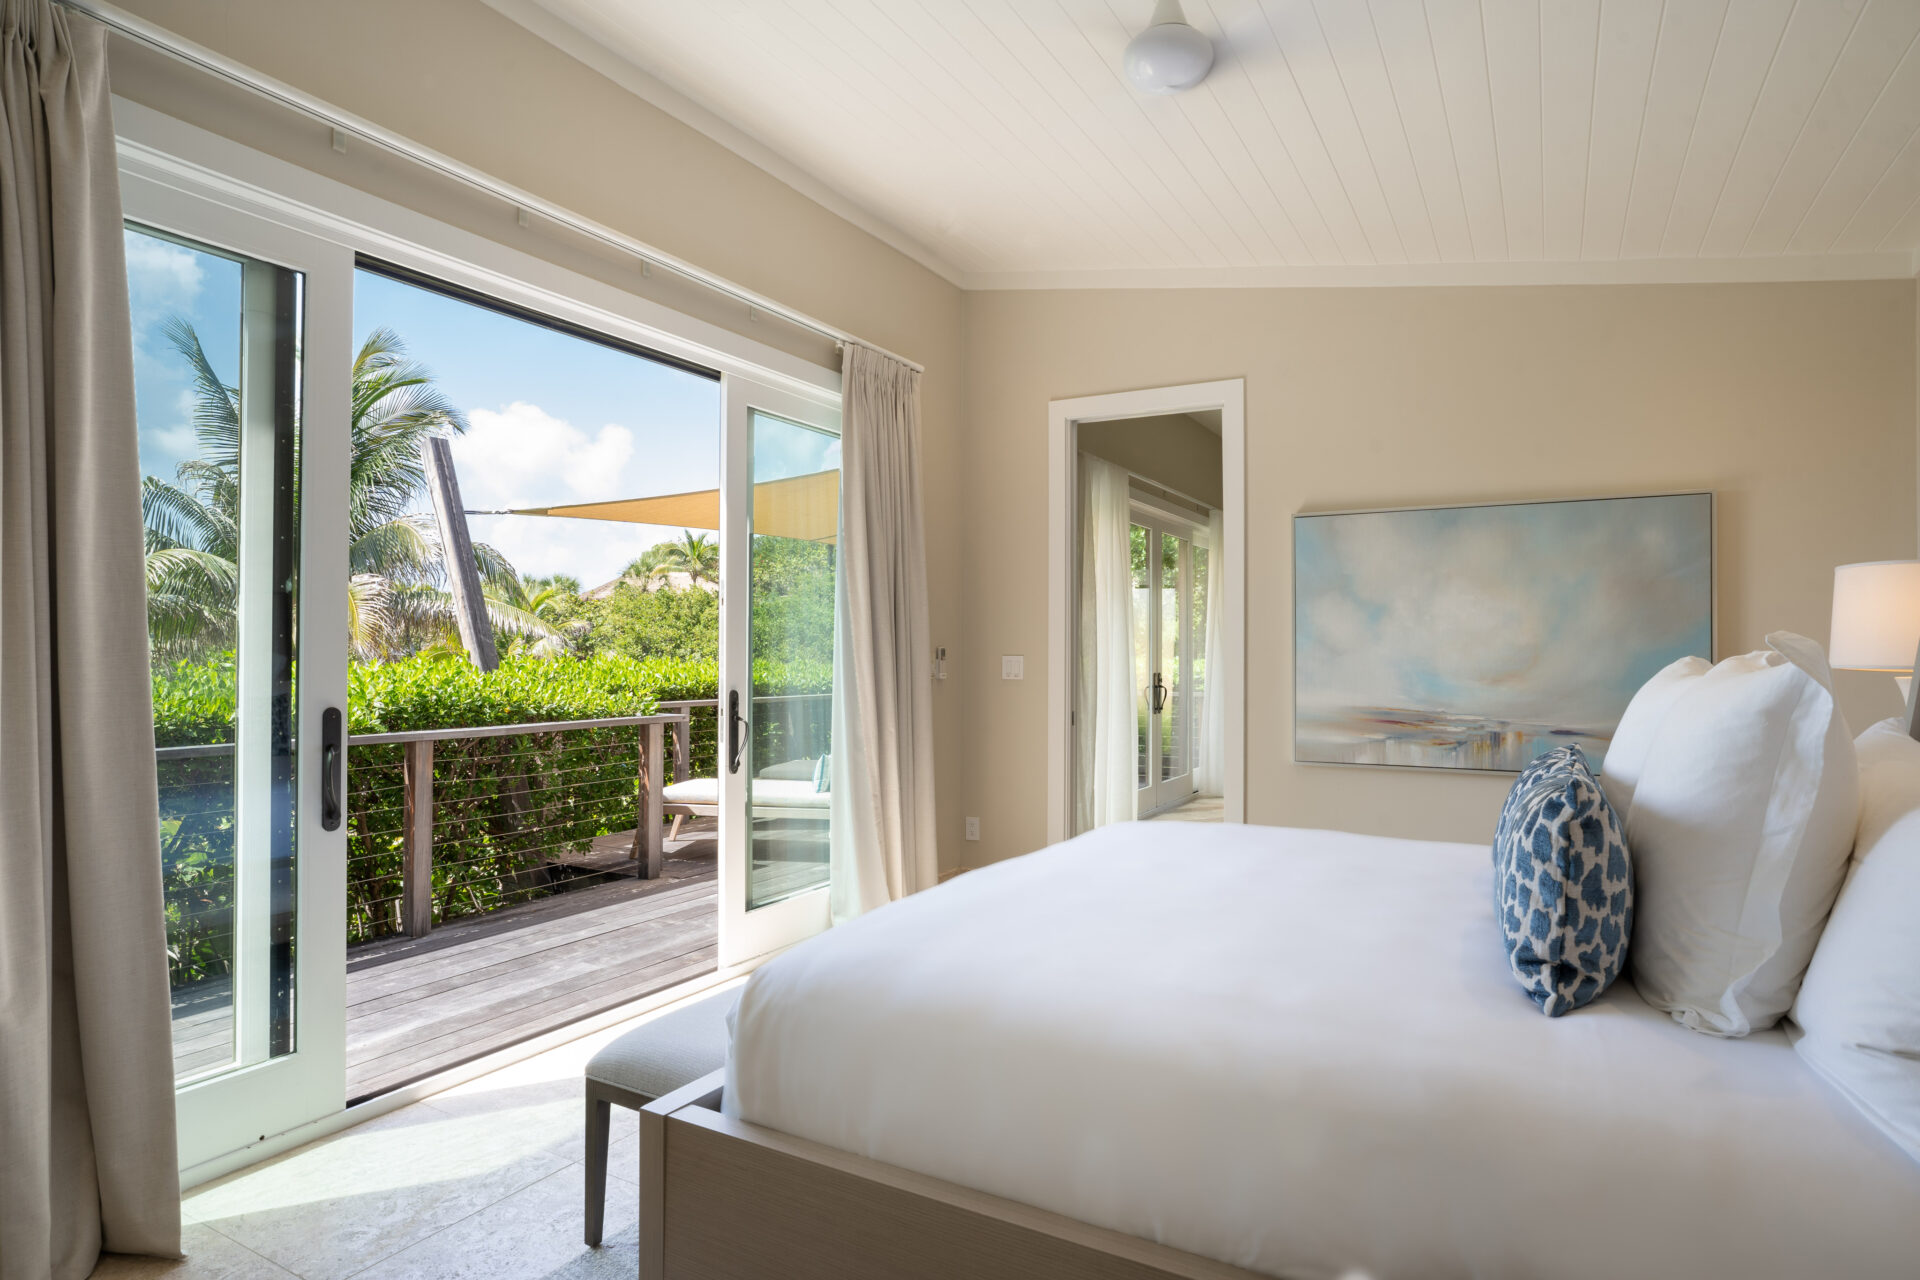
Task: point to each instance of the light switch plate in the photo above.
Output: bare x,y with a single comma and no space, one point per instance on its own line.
1013,667
973,828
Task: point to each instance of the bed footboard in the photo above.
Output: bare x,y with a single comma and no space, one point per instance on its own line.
720,1198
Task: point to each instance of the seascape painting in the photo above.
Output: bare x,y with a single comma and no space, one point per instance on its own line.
1479,637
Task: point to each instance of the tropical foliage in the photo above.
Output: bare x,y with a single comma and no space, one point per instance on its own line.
396,598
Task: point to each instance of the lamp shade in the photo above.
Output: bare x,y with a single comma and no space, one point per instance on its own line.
1876,616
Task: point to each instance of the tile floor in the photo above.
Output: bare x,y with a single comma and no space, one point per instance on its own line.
483,1180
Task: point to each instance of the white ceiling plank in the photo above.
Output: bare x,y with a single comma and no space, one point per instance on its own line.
1513,42
1191,126
1137,137
1257,56
1390,139
1352,47
1240,106
1025,106
761,75
1750,44
1460,58
1401,29
1810,51
1623,72
1569,49
1692,36
892,75
1109,127
1865,68
1888,128
1882,211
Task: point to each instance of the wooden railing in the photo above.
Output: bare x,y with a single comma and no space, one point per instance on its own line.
417,746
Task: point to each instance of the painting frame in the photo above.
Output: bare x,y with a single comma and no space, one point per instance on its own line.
1301,756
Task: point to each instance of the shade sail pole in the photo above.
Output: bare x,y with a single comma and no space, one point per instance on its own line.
463,573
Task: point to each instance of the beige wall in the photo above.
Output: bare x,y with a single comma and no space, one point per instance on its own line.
1795,403
460,78
1171,449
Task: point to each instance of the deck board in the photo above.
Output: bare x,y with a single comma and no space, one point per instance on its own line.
416,1006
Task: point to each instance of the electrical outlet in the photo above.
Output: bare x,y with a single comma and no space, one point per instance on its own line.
1013,667
973,828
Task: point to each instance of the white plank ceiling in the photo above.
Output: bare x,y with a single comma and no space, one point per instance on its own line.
998,141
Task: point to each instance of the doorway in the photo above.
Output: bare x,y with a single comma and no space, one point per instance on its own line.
1145,707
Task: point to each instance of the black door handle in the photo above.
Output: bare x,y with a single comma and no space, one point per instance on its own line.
330,766
736,737
1159,694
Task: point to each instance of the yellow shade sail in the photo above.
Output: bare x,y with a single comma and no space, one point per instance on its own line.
805,507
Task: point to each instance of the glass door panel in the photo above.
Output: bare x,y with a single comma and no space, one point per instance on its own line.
780,525
243,500
1163,583
1143,623
793,515
216,377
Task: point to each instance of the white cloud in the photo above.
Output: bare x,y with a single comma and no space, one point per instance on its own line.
162,273
523,456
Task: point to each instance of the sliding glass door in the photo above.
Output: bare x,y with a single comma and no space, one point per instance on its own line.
245,591
780,523
1164,636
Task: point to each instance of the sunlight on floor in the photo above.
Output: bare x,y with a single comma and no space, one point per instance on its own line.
484,1179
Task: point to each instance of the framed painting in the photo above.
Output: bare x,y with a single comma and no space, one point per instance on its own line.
1477,637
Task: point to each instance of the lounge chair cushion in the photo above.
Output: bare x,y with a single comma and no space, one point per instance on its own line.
774,792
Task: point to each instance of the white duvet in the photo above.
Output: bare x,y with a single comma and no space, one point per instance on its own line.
1301,1052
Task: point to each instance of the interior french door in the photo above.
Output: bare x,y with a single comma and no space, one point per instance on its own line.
1163,645
241,336
779,521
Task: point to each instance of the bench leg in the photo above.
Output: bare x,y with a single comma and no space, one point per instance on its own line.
675,833
599,1121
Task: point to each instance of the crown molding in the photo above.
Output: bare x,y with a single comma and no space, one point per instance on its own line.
582,47
1897,265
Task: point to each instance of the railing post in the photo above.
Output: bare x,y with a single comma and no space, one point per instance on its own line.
649,841
681,745
416,861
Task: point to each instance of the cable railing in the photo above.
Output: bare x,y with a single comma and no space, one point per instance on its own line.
444,824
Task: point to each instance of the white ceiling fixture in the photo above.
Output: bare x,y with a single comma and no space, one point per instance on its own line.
1169,55
1333,141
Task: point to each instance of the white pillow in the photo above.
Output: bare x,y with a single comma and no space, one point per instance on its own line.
1739,830
1860,1004
1627,751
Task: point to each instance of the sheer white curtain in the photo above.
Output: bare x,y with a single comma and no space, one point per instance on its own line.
1104,706
87,1157
882,758
1210,770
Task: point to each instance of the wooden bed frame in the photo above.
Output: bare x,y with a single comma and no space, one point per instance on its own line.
721,1198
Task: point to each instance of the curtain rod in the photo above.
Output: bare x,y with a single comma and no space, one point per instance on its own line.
163,41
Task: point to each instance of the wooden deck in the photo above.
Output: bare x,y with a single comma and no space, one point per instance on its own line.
419,1005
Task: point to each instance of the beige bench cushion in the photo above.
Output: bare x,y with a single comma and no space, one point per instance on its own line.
673,1050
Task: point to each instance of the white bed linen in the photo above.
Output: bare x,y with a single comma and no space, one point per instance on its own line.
1301,1052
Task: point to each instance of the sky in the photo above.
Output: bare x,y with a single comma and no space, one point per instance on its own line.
1550,612
553,418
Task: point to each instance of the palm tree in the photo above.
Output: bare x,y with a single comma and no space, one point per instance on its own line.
695,555
396,601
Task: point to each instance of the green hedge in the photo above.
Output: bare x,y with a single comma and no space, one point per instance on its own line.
505,807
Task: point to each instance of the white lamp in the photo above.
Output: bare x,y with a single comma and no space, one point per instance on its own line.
1169,55
1876,621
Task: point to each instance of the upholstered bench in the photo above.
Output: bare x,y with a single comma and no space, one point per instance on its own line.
646,1063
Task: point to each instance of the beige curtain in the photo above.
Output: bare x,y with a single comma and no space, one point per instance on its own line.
86,1074
882,758
1106,753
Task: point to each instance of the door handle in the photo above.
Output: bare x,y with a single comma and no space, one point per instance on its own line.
1159,694
330,767
736,736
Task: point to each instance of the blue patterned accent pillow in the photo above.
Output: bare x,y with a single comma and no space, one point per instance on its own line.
1562,883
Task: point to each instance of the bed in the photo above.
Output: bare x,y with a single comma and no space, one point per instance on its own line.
1188,1050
